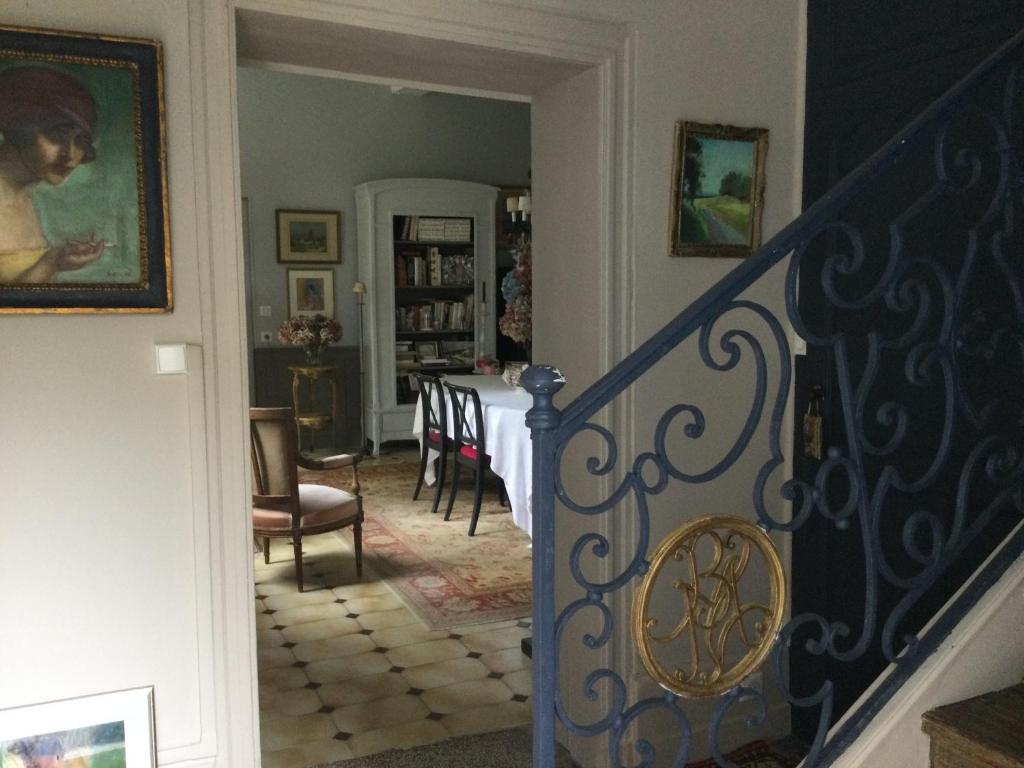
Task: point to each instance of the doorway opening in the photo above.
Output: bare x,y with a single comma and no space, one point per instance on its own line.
340,57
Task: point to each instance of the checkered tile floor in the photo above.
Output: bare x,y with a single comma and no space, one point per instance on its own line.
345,670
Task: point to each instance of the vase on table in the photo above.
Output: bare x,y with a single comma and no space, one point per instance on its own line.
313,354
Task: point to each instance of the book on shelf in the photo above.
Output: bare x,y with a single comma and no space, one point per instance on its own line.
430,229
434,361
400,278
458,230
435,265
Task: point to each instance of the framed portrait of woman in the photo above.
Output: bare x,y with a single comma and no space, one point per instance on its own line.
84,221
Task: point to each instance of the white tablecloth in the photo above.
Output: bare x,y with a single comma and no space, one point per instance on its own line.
508,439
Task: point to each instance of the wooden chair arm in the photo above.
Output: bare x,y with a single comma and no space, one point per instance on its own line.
335,462
328,462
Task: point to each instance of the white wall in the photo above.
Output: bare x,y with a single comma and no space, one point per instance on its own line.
104,505
737,62
361,132
112,534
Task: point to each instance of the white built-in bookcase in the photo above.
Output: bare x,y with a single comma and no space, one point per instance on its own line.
383,208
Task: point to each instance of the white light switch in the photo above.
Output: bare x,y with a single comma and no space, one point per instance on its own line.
170,358
265,310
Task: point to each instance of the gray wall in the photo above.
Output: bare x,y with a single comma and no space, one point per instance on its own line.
306,141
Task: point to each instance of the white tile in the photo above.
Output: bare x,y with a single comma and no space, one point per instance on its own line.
507,660
384,619
496,639
402,736
407,634
347,667
304,613
469,695
446,672
381,713
492,717
359,690
321,630
296,599
333,647
295,731
426,653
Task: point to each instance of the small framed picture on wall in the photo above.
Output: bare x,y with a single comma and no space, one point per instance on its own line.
310,292
717,189
308,237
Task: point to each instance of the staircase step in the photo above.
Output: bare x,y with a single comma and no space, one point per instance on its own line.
985,731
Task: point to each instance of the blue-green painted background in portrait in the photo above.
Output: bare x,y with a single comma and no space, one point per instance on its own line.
98,200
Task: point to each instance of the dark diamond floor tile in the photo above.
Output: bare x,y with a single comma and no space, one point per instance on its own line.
495,675
519,697
312,686
325,709
342,736
351,615
415,691
380,649
474,654
279,626
397,669
434,716
300,664
288,645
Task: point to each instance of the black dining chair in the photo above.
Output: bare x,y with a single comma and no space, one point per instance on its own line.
434,429
469,446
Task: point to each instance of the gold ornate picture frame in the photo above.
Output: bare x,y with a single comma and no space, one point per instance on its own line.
717,189
84,225
308,237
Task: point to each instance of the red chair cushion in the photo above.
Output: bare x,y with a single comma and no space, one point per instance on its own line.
469,452
433,436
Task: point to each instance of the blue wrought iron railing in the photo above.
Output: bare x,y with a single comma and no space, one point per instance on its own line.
915,263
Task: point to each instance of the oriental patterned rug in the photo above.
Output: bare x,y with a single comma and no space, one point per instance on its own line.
444,576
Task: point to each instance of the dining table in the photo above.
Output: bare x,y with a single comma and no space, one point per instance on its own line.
507,437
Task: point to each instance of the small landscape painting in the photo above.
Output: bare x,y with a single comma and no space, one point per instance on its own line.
96,746
311,237
717,189
106,730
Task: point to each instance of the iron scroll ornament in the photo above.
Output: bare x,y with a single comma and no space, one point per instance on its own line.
713,613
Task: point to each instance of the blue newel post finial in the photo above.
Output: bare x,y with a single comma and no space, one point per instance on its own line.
543,382
543,419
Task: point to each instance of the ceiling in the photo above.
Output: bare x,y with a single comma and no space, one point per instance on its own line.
271,39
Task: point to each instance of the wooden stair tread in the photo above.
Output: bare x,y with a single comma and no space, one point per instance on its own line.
990,727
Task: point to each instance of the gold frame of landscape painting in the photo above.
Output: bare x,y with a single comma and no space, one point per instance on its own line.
116,727
85,163
717,189
308,237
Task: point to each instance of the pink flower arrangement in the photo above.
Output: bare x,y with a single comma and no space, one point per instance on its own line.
311,333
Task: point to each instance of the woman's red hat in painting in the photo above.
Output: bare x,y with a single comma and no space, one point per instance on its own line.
35,98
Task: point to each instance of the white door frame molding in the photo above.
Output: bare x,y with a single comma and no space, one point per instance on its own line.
609,47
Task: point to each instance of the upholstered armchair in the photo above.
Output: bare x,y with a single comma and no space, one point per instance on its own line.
283,507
